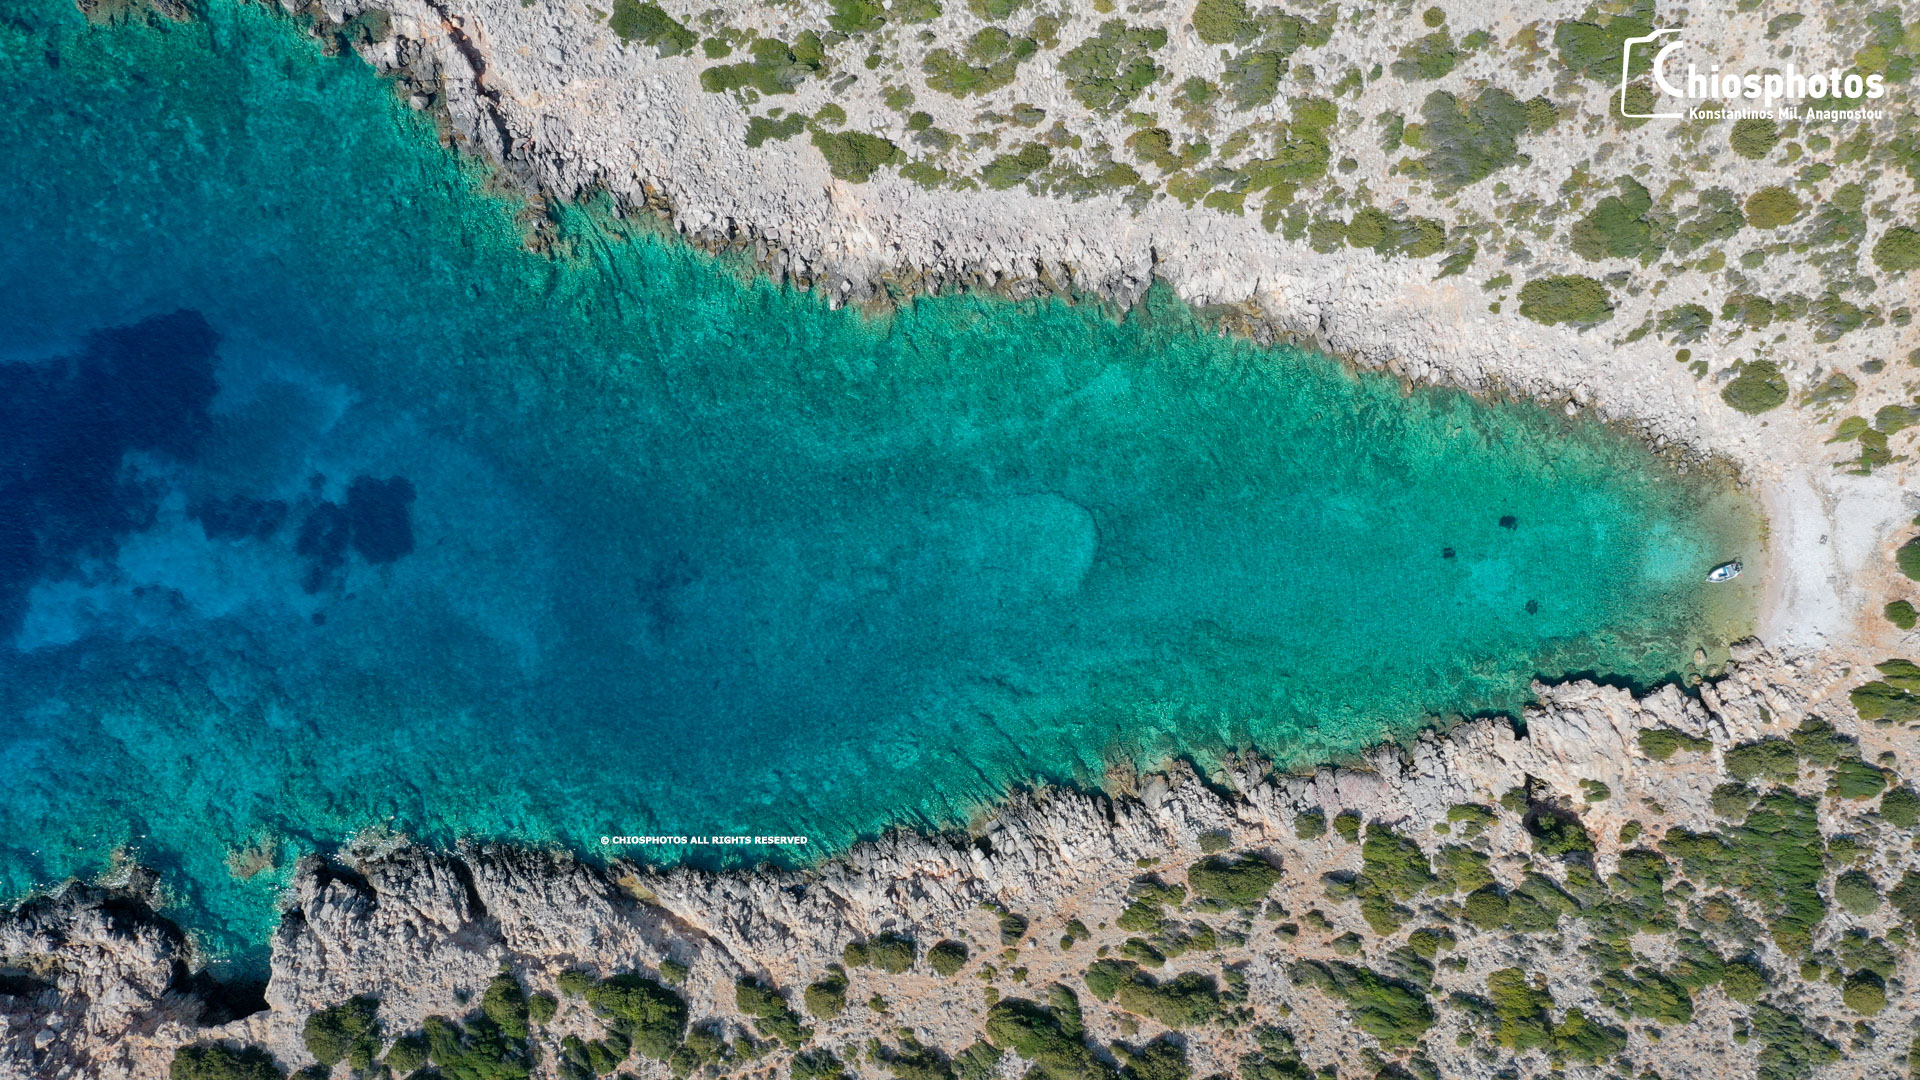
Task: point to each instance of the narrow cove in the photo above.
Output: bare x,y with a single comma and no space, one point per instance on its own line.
420,531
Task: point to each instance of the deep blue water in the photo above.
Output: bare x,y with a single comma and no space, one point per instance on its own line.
325,505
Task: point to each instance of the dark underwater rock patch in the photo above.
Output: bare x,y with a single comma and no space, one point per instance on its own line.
66,427
381,515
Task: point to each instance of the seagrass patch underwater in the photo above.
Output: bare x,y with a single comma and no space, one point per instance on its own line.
325,506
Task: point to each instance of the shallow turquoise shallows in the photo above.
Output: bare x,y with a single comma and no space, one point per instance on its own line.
325,504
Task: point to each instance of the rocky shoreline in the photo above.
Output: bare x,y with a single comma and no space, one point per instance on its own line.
100,986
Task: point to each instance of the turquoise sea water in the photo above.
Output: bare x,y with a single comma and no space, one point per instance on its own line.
325,505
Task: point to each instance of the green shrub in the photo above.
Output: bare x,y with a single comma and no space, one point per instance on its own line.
771,1014
575,983
1110,68
947,958
855,156
541,1008
1310,824
1251,79
891,953
1185,1001
654,1015
775,68
1856,779
1566,298
827,998
1524,1021
1893,698
598,1057
480,1050
1468,141
1901,807
1007,170
1898,250
1685,323
407,1055
212,1061
1161,1059
1754,137
1744,981
1221,22
1592,45
1617,227
1427,58
1756,387
1772,858
1856,892
992,59
1901,614
1012,928
1865,992
1394,1012
649,24
1754,312
1714,217
505,1003
817,1065
1907,558
1788,1051
1050,1037
1661,744
1579,1038
1239,882
345,1030
1347,824
1772,207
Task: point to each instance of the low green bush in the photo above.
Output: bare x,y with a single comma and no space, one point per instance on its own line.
891,953
653,1015
1857,892
1898,250
1008,170
1395,1012
1865,992
347,1030
1773,207
1572,299
1238,881
1757,386
1310,824
505,1003
649,24
213,1061
1427,58
1347,824
1618,226
1901,807
1593,44
771,1014
1661,744
1113,66
827,998
855,156
1050,1036
1222,22
1754,137
1467,141
947,957
1525,1023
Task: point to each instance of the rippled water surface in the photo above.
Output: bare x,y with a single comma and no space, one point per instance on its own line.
324,504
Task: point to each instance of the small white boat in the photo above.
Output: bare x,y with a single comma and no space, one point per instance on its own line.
1726,571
